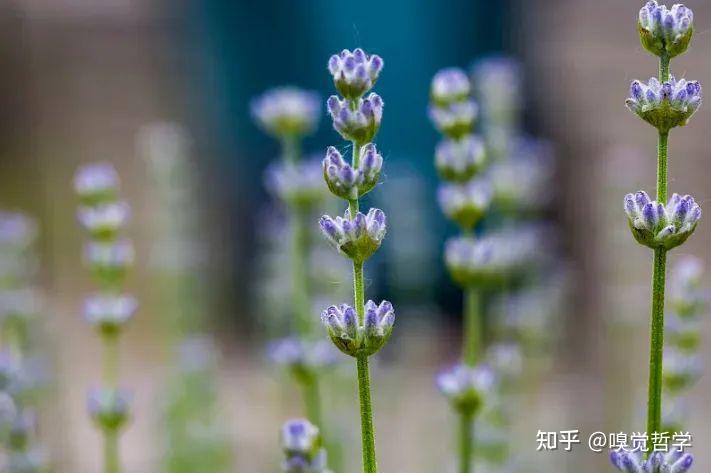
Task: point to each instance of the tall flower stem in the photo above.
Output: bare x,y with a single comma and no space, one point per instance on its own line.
466,441
312,401
470,353
111,451
472,326
299,272
366,407
366,415
656,353
656,340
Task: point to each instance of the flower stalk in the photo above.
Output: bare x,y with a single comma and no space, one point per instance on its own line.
288,114
108,256
663,103
362,330
465,197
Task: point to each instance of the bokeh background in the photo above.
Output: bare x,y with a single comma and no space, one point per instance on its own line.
82,80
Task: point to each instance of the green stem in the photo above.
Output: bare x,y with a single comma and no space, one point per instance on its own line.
312,401
299,271
656,341
664,68
662,150
111,451
366,416
472,326
466,441
656,351
366,406
111,361
290,148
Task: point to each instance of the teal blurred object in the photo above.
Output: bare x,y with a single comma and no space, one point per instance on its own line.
244,47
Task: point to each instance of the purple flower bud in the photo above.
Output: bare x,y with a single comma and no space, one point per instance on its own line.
454,120
459,160
665,31
108,407
96,182
353,336
301,442
354,73
681,100
287,111
465,203
359,124
465,386
450,85
658,226
299,185
109,313
649,214
358,237
104,221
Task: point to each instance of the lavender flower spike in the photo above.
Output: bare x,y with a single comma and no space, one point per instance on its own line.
466,386
301,442
358,237
658,226
448,86
96,183
350,183
665,105
674,461
355,338
465,203
354,73
287,111
665,31
360,123
459,160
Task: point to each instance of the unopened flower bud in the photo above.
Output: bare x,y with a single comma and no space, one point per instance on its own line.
665,105
96,183
448,86
358,237
466,386
360,123
681,370
109,313
109,408
303,358
109,261
287,112
454,120
665,31
104,221
673,461
658,226
354,73
355,338
465,203
351,183
299,185
459,160
301,442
